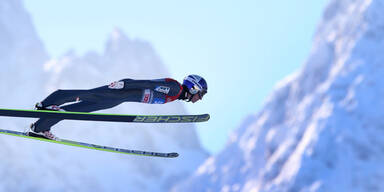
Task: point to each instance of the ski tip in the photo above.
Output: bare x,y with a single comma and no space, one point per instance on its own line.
202,118
173,155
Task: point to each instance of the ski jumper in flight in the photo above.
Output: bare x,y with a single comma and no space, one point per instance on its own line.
158,91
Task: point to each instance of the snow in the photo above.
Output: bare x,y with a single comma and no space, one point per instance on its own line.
28,75
321,128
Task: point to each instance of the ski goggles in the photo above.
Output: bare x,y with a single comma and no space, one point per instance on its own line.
197,90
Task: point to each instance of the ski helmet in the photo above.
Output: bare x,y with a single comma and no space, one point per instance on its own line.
196,85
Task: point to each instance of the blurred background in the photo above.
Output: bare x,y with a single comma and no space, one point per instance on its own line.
294,94
242,48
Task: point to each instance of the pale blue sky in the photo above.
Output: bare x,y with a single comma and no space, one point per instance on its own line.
242,48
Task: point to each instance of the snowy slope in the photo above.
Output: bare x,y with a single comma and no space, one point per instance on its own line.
37,166
322,128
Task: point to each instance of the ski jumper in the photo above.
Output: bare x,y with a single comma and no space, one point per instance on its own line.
158,91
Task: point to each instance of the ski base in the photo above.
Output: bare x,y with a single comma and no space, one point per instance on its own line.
91,146
105,117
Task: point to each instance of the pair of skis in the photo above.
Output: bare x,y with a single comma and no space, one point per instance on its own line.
100,117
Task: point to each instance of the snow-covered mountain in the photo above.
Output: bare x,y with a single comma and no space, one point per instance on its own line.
322,128
21,53
29,75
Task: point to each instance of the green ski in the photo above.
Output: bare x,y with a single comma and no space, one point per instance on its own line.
91,146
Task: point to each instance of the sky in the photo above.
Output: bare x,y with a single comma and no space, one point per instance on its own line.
242,48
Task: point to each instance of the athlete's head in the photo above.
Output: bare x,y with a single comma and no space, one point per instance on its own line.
196,87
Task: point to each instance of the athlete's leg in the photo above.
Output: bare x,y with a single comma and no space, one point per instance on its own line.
45,124
60,97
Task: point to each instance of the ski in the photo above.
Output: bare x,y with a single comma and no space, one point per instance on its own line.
91,146
105,117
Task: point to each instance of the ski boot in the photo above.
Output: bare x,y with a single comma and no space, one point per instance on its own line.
45,134
39,106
